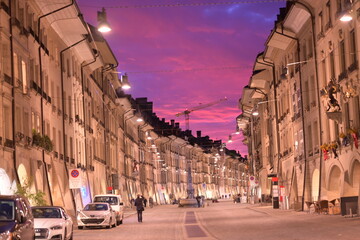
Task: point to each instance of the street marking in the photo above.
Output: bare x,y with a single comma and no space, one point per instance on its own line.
193,230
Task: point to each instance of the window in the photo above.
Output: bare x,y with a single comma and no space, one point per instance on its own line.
321,23
24,77
54,140
26,124
342,57
18,127
16,69
353,53
332,65
7,122
316,135
356,109
323,67
328,13
347,116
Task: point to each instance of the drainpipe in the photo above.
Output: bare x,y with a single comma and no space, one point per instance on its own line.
302,116
63,106
13,94
84,115
41,86
318,87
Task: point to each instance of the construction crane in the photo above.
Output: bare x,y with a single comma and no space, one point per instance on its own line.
187,112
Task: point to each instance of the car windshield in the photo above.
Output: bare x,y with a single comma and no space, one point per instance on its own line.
46,212
107,199
96,207
7,210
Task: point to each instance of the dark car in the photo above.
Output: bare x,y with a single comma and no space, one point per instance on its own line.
16,219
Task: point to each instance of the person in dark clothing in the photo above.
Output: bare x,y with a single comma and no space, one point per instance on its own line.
145,201
139,204
198,198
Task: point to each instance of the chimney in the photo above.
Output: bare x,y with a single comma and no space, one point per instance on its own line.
172,122
198,134
177,125
163,119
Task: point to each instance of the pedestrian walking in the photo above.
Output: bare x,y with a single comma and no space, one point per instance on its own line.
198,198
145,202
139,204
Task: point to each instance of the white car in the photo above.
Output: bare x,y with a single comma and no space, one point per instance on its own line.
116,204
52,223
96,215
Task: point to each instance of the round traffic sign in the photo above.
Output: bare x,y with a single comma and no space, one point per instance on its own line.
75,173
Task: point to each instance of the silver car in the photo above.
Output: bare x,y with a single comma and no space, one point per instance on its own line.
96,215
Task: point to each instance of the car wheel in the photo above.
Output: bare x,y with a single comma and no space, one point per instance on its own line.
121,220
80,227
109,226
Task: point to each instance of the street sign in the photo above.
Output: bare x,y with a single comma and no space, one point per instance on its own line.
75,178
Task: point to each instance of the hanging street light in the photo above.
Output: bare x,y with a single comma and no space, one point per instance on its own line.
103,26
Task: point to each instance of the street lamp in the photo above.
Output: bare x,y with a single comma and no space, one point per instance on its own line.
125,82
103,23
347,14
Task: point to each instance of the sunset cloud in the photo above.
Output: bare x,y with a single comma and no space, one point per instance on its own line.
164,49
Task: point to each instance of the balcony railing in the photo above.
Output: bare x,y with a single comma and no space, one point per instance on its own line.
9,143
343,75
353,66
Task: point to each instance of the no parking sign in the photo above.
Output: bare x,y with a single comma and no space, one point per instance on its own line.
75,178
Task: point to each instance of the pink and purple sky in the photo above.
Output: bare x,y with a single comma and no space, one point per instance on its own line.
179,57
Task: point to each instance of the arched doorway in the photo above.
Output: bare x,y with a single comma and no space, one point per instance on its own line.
334,183
23,176
315,185
352,180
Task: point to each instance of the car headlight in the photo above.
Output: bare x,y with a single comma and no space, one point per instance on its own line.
6,236
57,227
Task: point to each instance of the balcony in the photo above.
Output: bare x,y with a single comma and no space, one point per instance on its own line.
343,75
328,26
320,35
353,66
9,143
7,79
28,141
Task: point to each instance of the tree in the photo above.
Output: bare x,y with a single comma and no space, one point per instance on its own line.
36,199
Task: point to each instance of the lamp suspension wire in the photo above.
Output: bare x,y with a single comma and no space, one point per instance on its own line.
189,4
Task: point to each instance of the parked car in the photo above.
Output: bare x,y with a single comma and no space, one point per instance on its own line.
96,215
116,204
16,219
52,223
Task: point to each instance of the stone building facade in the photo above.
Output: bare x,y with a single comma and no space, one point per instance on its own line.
303,143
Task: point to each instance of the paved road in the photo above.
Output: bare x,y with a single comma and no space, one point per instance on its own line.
228,221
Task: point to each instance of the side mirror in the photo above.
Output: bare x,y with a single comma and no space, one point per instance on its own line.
121,204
